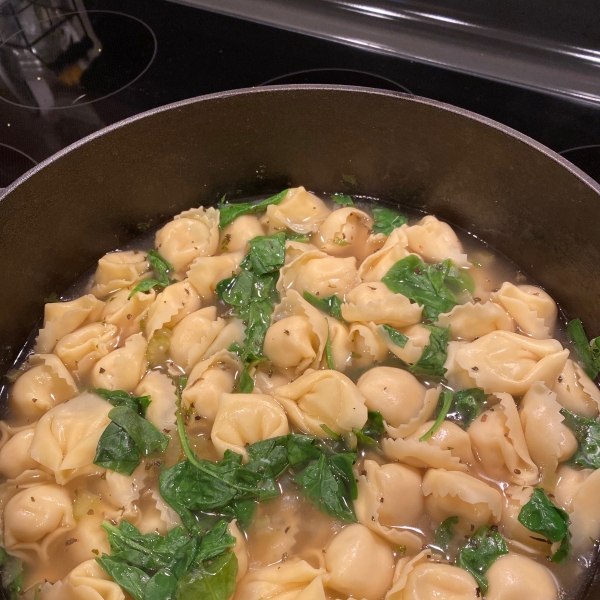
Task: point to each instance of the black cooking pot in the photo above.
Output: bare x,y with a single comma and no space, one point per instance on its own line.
93,197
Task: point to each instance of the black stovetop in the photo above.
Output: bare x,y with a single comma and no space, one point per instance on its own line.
73,68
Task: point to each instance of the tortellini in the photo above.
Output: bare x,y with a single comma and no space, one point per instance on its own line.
319,398
46,384
284,581
420,579
549,441
88,581
376,266
298,335
452,493
435,241
122,368
512,577
577,492
208,380
366,347
207,271
35,517
193,336
532,308
66,437
128,314
499,443
379,507
404,403
473,320
345,231
418,338
117,270
171,306
61,318
81,350
448,448
235,237
373,302
341,346
14,451
300,211
321,275
191,234
503,361
243,419
359,563
163,400
576,391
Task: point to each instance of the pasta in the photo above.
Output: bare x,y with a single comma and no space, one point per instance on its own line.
308,398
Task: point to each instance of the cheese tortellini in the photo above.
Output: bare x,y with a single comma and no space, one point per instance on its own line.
319,398
118,270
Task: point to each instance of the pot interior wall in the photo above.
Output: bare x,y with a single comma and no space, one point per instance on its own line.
58,222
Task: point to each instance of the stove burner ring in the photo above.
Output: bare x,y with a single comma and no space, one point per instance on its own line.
340,77
587,158
13,163
39,75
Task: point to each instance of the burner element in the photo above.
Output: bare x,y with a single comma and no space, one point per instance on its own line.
60,59
339,77
587,158
13,163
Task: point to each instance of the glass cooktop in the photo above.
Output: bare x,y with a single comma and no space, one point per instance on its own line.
71,67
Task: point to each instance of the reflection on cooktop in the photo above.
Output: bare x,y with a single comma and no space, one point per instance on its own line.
13,163
339,77
587,158
51,58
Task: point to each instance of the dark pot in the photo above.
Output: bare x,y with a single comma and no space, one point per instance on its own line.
526,201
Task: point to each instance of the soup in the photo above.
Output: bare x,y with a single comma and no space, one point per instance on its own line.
304,399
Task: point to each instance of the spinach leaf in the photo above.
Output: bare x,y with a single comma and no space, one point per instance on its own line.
326,487
589,352
237,290
386,220
342,199
12,574
587,433
431,286
372,430
444,534
163,271
214,580
130,578
150,566
259,321
228,213
117,451
329,351
542,516
397,338
434,355
246,384
139,404
267,253
467,406
332,434
445,400
482,549
146,436
331,305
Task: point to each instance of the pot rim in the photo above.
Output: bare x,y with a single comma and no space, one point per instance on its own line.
586,179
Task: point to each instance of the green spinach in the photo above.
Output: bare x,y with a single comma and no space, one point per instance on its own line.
445,400
395,336
542,516
432,286
163,270
589,352
372,430
434,355
342,199
228,213
385,220
481,550
331,305
587,433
